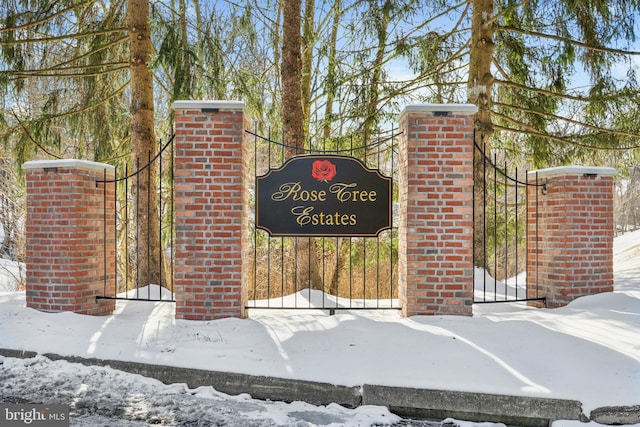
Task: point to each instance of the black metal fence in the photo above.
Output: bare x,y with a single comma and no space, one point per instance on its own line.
343,273
351,273
501,262
144,257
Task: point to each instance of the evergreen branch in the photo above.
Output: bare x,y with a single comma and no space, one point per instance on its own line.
110,160
567,120
31,138
61,65
45,19
16,75
494,18
86,108
572,41
94,51
365,71
442,14
511,84
61,37
521,128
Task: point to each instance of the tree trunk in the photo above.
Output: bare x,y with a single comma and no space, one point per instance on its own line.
292,113
331,70
479,86
182,80
308,41
372,103
307,265
143,143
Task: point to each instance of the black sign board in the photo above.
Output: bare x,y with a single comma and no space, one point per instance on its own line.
323,195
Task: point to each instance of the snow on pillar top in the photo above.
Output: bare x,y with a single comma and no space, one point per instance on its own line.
573,170
210,105
68,164
465,109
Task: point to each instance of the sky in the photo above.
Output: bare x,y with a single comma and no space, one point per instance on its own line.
588,351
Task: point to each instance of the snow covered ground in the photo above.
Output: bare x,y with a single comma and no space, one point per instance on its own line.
108,397
588,351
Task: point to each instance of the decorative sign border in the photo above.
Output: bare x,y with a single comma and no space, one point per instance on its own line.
323,196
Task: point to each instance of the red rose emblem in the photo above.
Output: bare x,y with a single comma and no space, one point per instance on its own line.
323,170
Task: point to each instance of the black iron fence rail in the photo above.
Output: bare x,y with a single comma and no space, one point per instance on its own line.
501,190
122,283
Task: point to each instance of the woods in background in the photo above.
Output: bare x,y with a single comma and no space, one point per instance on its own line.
555,82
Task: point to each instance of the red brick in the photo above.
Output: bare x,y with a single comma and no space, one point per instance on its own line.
62,247
575,219
209,239
431,273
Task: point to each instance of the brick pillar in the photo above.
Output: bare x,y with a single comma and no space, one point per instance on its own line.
211,212
575,226
435,234
66,218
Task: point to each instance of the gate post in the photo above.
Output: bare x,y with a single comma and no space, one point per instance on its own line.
211,209
435,234
70,241
573,217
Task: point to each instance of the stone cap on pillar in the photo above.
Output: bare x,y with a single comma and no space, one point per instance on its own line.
214,105
68,164
573,170
464,109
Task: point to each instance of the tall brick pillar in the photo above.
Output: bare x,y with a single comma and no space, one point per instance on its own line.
211,209
69,227
573,215
435,234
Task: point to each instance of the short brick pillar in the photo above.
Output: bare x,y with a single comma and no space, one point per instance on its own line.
573,215
211,209
67,266
435,233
